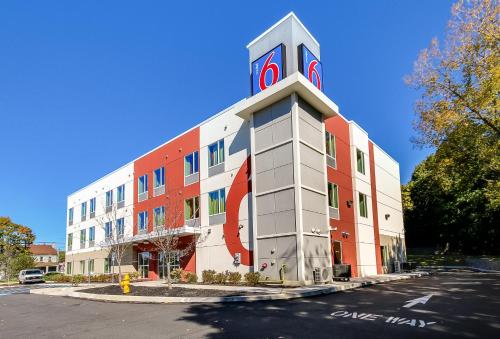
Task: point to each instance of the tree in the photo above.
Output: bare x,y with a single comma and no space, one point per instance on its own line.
15,240
453,198
61,256
116,243
21,262
460,83
165,235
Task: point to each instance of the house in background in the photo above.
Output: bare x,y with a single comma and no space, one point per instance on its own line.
46,257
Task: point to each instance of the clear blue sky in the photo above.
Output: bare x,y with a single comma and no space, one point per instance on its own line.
87,86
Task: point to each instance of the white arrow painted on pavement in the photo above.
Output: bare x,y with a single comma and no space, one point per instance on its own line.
421,300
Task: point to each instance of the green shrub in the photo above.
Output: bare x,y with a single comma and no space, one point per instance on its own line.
190,277
234,277
77,279
61,278
208,276
252,278
52,276
221,278
177,274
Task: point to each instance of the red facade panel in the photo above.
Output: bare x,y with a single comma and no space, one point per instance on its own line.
342,176
171,157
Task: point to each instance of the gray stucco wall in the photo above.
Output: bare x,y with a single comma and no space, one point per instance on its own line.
275,195
313,191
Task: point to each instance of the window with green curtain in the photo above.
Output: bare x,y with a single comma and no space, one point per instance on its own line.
333,195
217,202
192,208
330,144
360,160
213,203
216,153
363,206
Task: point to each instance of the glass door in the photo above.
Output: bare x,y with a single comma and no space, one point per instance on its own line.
337,252
162,263
143,264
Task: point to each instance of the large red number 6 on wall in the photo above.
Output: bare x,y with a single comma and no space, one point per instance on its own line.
268,66
312,71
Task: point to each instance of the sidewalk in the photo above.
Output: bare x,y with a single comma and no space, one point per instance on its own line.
261,293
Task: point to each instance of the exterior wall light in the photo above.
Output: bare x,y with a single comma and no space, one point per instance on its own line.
349,203
387,216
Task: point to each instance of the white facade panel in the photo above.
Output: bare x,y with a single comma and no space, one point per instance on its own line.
98,189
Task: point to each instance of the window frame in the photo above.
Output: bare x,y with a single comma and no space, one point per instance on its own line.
219,202
122,193
90,268
333,142
108,234
196,208
363,205
71,212
109,198
335,197
83,238
120,227
220,152
360,161
145,184
91,234
92,205
162,173
161,210
70,241
145,219
83,211
195,163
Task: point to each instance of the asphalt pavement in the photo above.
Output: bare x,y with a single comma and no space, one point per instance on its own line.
443,305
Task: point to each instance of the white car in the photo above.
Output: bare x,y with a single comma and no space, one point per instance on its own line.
32,275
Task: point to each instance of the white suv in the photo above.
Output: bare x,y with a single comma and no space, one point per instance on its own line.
32,275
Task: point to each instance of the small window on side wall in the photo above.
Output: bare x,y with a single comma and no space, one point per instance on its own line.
360,161
216,153
363,205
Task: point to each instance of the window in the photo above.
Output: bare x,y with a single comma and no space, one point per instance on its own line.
120,193
191,164
143,184
108,230
363,206
50,259
360,161
159,216
91,266
192,208
217,202
91,236
68,268
41,259
107,265
70,241
70,215
83,238
109,198
159,177
92,205
120,227
82,266
330,144
216,153
84,210
333,195
143,221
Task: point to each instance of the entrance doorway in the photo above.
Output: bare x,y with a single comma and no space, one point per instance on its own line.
162,263
143,264
337,252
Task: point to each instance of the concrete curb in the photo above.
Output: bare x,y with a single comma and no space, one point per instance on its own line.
475,269
286,294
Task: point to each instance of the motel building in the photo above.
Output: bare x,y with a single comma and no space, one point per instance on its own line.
278,183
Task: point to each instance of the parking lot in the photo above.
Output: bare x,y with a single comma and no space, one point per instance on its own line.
445,304
23,289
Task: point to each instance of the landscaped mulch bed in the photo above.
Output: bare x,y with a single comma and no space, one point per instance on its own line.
147,291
